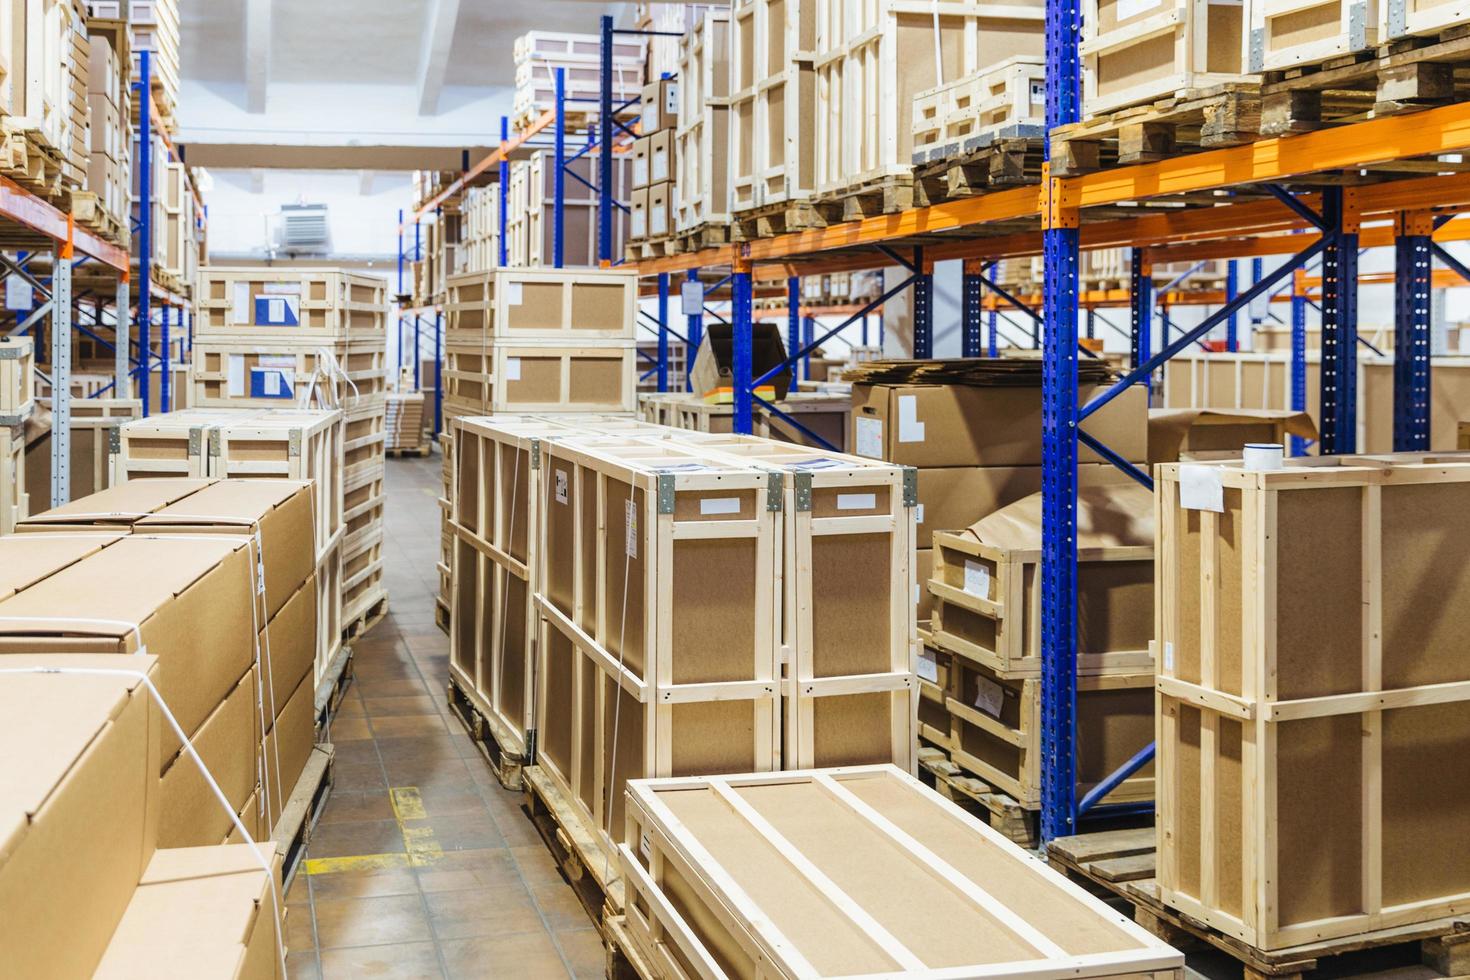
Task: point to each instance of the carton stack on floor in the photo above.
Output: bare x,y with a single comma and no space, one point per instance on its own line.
272,338
653,163
17,402
404,425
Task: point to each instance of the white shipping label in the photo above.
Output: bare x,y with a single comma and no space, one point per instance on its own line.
638,228
271,382
658,222
631,527
1128,9
869,437
658,168
276,310
513,294
918,513
512,369
240,307
649,120
643,846
562,483
1038,93
1168,655
857,501
236,380
928,666
719,505
281,288
977,579
910,429
691,298
1200,488
671,98
989,696
640,171
18,294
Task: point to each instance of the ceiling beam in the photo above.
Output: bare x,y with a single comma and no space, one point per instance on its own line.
434,53
257,53
269,156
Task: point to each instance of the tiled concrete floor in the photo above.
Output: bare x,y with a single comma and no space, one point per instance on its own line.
422,865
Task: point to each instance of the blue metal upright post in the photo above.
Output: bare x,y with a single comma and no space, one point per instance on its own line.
145,224
1298,356
923,307
793,319
438,372
502,198
740,316
992,333
694,332
972,310
604,143
1140,308
559,180
808,332
1090,331
164,401
1232,289
1258,269
663,332
1411,365
1339,321
418,340
1060,258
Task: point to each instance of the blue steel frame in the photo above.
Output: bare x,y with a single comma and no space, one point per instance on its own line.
1298,361
145,225
1413,259
1339,323
972,304
1232,324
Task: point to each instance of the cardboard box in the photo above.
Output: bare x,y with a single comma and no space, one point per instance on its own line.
961,425
661,157
79,809
287,746
660,106
192,609
1176,434
119,506
281,510
27,559
951,498
642,152
190,814
289,648
638,214
660,202
252,818
201,912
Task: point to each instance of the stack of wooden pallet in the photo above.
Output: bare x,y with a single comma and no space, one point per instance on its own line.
539,53
17,402
155,29
270,338
43,96
404,424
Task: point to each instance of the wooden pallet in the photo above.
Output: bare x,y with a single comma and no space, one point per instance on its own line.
889,194
1197,119
405,452
88,211
651,248
489,735
441,614
976,796
776,219
366,620
1120,863
624,959
589,867
303,808
331,690
981,163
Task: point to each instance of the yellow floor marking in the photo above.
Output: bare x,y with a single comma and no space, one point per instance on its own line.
360,862
423,850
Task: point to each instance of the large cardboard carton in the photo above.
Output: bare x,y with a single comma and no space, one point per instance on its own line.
27,559
78,808
200,912
190,814
964,425
184,599
1176,434
281,510
119,506
287,746
713,370
660,109
289,648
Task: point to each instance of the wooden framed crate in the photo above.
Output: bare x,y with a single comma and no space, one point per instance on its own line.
1135,52
17,379
872,60
986,584
539,305
938,679
328,614
1005,101
173,444
859,871
540,377
1313,698
94,435
1403,18
14,501
1290,33
702,138
364,440
308,306
362,505
579,205
828,416
245,373
364,597
772,101
657,651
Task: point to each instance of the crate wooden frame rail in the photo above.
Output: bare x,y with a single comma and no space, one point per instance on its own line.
687,904
974,111
17,379
702,139
1230,683
14,501
330,305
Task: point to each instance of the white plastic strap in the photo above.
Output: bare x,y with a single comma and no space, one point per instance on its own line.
53,621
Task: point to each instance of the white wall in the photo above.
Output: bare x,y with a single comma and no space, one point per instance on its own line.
362,225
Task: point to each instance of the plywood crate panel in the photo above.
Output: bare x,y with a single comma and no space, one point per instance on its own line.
773,92
1313,695
1004,101
541,377
1419,17
579,211
1136,51
829,417
873,58
541,304
94,435
264,374
308,306
1287,33
938,682
702,155
17,379
847,872
14,501
986,585
658,648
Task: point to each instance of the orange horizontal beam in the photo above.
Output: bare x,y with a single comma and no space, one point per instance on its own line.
24,208
501,152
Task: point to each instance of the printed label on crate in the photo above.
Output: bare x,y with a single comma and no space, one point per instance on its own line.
857,501
989,696
658,168
562,483
977,579
869,437
918,513
658,221
644,847
1168,655
1038,93
719,505
512,369
910,429
514,295
630,545
18,294
691,298
277,311
273,377
1200,488
1128,9
928,666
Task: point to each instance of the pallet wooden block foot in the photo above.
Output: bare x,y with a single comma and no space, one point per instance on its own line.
1002,813
331,689
623,959
366,620
441,614
589,867
1001,163
489,736
302,810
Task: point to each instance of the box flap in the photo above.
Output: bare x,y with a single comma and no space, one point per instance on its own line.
27,559
242,501
120,504
1107,517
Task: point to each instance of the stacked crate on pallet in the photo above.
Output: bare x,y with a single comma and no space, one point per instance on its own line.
94,426
1004,101
702,138
271,338
437,240
43,94
530,211
105,205
404,422
538,54
155,29
180,243
654,170
1284,35
1312,697
872,60
17,403
479,245
669,19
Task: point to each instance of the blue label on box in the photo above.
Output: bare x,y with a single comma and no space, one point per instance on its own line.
271,383
278,311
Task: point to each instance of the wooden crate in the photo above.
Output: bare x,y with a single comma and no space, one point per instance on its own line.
1288,33
1135,52
658,649
529,377
773,99
986,584
702,138
328,617
828,416
579,207
362,507
1005,101
309,306
403,420
14,502
17,379
268,374
1401,18
850,872
94,434
363,440
1313,701
938,679
536,305
872,60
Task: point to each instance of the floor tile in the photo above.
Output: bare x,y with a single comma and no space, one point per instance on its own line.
583,951
400,961
356,838
363,884
499,911
518,956
371,922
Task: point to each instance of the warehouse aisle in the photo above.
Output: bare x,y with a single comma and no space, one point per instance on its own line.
423,866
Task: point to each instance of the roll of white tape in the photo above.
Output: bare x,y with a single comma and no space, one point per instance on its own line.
1264,455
